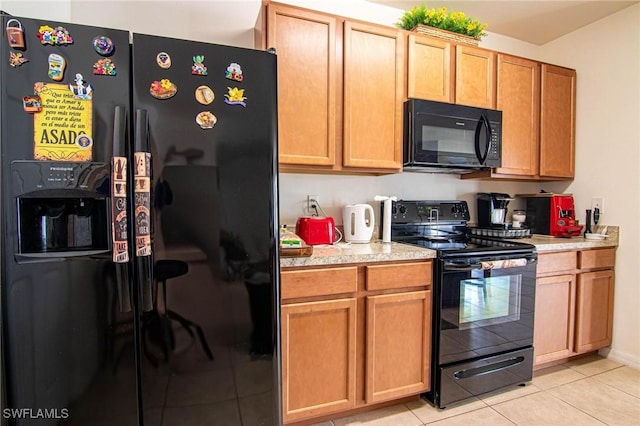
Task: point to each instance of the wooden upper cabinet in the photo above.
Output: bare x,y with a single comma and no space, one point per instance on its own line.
518,97
430,69
475,77
305,43
373,96
557,122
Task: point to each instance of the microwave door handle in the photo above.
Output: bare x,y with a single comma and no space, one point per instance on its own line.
482,122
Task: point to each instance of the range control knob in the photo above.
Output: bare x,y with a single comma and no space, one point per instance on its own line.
402,209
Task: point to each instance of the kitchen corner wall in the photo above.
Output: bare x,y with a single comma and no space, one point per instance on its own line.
606,55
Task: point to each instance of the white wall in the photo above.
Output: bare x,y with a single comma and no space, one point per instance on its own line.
606,55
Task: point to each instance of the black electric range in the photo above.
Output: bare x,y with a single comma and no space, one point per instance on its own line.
483,301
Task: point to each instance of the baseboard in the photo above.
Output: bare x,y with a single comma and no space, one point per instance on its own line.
621,357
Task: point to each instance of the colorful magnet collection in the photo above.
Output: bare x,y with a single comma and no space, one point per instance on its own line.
165,89
162,88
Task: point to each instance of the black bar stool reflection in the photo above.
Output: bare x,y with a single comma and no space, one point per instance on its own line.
158,325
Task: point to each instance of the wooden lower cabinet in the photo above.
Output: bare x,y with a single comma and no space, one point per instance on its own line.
398,345
594,316
354,336
574,303
554,318
318,358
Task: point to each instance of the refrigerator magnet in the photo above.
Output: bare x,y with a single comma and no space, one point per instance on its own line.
163,89
104,66
235,96
84,141
79,90
198,67
206,120
16,59
57,36
57,64
163,60
204,95
234,72
32,104
103,45
15,34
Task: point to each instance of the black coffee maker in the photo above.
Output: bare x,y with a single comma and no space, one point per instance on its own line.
492,209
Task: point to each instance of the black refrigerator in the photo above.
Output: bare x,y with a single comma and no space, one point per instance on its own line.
139,201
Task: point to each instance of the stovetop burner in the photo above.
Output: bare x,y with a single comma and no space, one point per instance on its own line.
442,226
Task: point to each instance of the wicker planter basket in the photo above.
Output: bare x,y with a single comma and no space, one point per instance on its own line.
446,35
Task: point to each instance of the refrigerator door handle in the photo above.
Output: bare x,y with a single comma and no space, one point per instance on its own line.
142,208
119,205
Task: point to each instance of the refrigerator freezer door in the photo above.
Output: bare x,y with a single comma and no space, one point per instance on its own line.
66,345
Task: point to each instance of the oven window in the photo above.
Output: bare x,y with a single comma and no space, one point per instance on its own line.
448,141
490,300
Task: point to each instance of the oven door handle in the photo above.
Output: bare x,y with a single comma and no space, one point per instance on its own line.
461,267
489,264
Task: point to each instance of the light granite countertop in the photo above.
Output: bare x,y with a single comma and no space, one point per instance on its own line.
342,253
345,253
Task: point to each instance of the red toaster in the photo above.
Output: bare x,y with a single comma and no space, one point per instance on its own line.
315,230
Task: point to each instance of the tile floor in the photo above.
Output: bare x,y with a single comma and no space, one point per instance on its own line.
589,391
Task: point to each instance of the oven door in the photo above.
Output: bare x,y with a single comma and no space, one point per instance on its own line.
486,306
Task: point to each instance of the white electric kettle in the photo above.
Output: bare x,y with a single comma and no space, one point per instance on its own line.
358,221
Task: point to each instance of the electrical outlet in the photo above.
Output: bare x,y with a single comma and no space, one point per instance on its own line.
312,203
597,202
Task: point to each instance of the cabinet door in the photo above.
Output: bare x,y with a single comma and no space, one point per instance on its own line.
518,97
430,69
318,358
305,43
554,318
557,122
398,345
475,77
594,305
373,96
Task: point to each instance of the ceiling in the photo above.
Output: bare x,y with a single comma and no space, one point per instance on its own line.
536,22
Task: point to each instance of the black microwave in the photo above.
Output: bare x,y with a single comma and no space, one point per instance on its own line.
449,138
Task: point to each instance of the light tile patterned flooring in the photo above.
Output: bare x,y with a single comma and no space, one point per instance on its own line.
589,391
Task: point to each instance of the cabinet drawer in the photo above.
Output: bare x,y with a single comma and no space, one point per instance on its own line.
601,258
556,262
318,282
380,277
